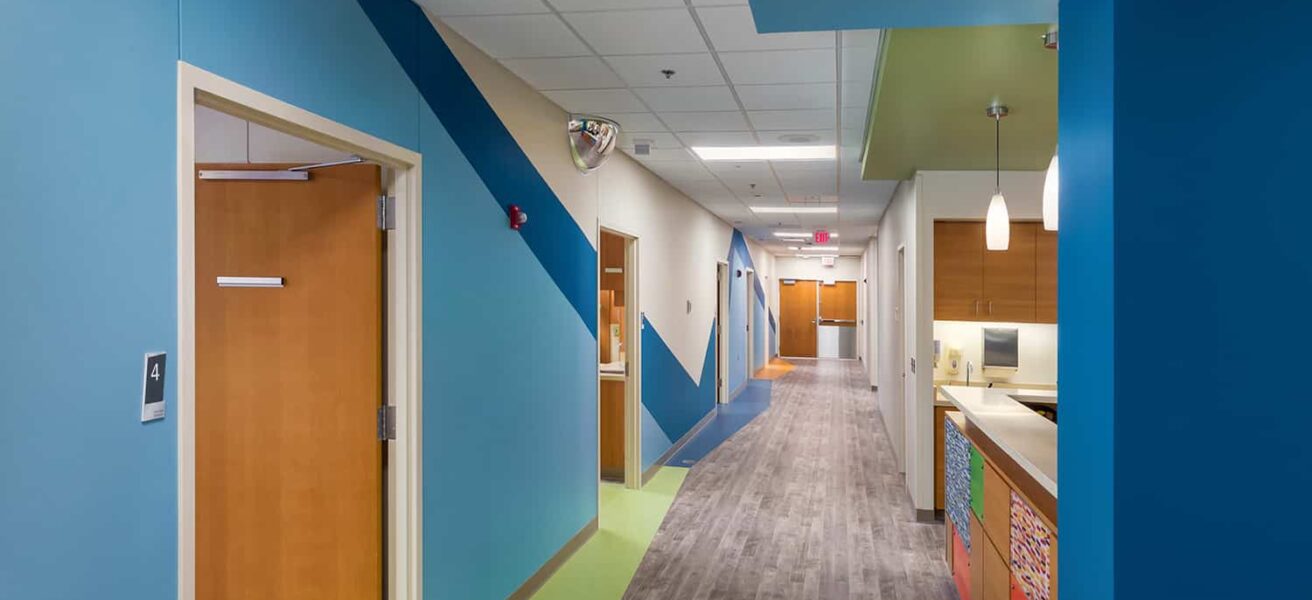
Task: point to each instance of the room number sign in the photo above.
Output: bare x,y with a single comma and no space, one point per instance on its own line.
152,389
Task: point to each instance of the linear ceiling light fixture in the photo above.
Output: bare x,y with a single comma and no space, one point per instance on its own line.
797,235
997,223
746,153
795,210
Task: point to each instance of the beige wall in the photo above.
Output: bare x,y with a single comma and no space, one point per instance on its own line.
679,241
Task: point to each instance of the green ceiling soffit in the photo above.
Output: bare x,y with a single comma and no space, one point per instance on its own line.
927,109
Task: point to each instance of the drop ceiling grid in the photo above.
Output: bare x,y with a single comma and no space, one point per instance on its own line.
779,73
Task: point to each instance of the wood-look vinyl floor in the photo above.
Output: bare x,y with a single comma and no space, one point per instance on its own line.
804,502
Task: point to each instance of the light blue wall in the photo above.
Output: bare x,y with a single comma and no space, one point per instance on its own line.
87,261
87,128
736,333
760,331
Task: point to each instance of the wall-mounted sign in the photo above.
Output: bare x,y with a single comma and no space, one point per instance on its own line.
821,236
152,389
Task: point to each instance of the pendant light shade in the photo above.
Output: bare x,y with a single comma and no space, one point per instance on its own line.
1051,185
997,224
997,221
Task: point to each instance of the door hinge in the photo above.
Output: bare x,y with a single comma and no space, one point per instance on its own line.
386,423
387,213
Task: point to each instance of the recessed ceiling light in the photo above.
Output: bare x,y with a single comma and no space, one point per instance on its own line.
743,153
796,210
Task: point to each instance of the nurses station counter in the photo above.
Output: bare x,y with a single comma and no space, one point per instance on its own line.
1000,494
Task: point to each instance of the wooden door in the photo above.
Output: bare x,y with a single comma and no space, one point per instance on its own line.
612,429
1045,286
1009,278
288,382
797,318
958,271
838,303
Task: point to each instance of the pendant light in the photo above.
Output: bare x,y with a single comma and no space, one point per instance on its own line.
997,223
1050,188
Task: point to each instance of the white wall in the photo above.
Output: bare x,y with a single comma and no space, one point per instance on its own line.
846,268
909,222
870,311
223,138
679,241
896,236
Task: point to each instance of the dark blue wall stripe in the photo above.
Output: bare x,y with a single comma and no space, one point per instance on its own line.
673,398
551,233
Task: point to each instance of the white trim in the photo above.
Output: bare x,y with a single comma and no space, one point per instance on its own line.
722,276
750,275
404,296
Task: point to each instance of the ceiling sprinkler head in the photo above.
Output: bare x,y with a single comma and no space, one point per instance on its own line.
997,111
668,73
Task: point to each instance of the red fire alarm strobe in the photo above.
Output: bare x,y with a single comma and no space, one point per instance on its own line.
821,236
517,217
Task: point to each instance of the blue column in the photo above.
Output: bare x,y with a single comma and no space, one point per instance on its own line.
1184,459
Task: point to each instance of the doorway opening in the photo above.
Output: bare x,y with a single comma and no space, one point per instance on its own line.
299,351
750,311
721,332
900,340
619,397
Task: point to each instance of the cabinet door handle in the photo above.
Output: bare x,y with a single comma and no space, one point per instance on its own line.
975,304
990,307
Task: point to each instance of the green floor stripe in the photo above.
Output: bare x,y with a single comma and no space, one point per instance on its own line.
603,567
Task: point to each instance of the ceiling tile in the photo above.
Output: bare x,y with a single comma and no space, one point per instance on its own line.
452,8
706,121
670,154
799,137
656,139
590,5
596,101
784,96
579,72
854,117
853,137
856,93
679,171
718,138
645,71
744,171
731,28
859,63
792,119
661,31
780,66
664,99
860,37
519,36
636,122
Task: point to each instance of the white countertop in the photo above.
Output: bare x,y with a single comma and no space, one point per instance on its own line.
1029,439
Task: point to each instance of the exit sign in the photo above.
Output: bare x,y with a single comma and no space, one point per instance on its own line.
821,236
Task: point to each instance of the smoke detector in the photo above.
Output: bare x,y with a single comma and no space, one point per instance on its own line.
799,138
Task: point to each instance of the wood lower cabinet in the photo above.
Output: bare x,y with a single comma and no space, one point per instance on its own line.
612,429
971,283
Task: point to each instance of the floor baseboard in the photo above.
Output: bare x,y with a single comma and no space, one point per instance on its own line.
683,441
538,579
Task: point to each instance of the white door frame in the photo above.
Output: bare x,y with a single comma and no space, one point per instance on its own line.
750,274
403,573
722,275
632,364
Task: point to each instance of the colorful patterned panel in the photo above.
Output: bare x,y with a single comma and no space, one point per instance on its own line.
1031,550
956,471
977,483
960,565
1016,592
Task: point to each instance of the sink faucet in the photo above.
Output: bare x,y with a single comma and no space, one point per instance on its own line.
969,368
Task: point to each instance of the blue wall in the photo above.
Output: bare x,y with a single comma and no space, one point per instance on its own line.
674,400
760,332
736,333
1188,187
87,230
89,143
774,16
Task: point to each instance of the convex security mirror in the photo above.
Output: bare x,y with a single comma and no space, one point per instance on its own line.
591,140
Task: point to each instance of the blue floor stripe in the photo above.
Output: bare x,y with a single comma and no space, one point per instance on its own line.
729,418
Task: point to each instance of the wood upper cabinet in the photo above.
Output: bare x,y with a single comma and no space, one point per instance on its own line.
1045,292
972,283
958,270
1009,278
